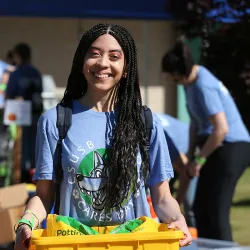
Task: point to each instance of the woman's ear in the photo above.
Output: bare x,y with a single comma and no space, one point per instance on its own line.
125,70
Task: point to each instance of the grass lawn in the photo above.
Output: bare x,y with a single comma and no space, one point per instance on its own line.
240,211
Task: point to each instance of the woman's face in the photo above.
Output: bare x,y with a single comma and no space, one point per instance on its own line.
103,64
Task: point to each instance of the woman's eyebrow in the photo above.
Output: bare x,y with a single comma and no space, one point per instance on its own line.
116,50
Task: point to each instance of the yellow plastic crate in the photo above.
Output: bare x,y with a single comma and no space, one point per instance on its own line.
164,239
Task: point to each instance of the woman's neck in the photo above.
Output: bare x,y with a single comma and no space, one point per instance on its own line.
100,102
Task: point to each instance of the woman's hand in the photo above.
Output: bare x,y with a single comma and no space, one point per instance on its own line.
183,186
181,224
193,169
23,236
168,210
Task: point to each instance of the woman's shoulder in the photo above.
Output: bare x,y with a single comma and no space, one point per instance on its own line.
156,120
157,125
49,117
206,78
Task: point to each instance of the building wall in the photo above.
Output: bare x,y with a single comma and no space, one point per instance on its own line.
54,42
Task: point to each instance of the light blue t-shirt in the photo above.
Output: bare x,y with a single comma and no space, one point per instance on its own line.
207,97
3,66
177,135
83,159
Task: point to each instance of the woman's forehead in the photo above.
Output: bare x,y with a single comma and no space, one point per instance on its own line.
107,43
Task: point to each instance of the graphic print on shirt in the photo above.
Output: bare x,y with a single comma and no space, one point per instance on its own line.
92,178
87,173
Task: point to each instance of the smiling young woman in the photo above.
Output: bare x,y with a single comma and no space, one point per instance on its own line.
105,159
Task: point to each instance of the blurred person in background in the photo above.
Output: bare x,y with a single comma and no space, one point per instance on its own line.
9,58
5,68
224,142
177,136
25,83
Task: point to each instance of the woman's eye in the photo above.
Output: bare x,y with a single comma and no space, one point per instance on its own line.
94,54
114,57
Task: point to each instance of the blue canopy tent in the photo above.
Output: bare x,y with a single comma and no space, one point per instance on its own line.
129,9
144,9
86,8
225,13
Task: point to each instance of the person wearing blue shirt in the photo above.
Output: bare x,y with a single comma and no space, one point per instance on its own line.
177,136
5,69
3,66
25,83
219,132
178,132
106,161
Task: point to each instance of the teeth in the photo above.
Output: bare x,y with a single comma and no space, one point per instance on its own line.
101,75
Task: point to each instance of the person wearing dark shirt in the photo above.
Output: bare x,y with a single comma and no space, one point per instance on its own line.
25,83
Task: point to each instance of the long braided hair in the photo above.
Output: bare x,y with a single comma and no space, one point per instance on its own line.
129,133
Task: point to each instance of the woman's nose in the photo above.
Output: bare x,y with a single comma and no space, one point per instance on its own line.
103,61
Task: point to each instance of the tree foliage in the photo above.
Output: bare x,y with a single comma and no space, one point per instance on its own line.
224,26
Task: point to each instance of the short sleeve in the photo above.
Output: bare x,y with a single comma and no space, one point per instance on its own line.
46,142
210,100
160,163
12,88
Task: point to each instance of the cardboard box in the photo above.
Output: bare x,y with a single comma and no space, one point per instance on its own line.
12,205
8,218
13,196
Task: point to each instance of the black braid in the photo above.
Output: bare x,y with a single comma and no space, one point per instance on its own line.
129,134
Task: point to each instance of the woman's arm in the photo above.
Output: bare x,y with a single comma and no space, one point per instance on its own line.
180,166
168,210
180,163
40,205
220,129
161,170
